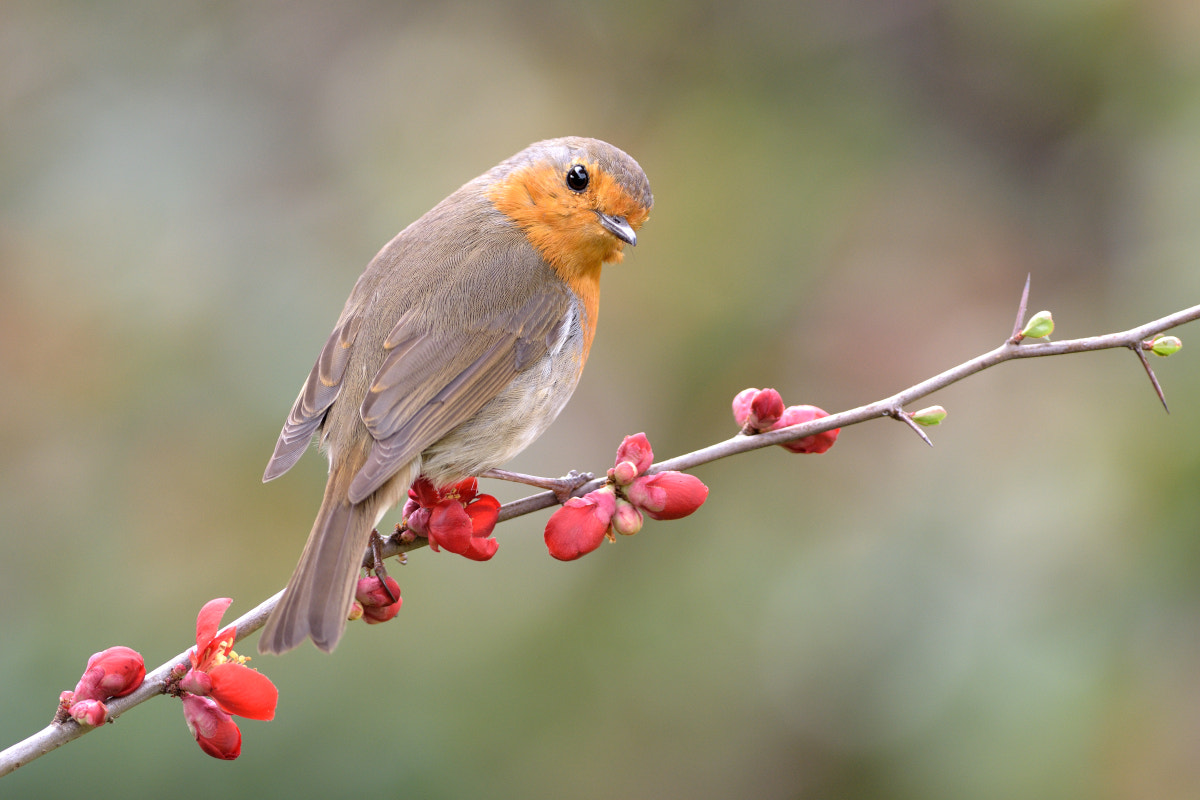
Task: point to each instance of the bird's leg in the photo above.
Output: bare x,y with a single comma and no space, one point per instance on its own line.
377,568
562,487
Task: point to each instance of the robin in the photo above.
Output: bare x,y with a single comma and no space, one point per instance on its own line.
459,344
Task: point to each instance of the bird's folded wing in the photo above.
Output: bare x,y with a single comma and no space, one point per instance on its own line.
429,383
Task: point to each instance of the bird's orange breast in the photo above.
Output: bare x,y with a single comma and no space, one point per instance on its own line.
563,227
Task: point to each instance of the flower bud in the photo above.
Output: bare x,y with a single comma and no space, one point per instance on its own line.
215,731
377,604
373,615
627,520
92,713
114,672
356,611
817,443
418,521
929,416
756,411
623,473
765,410
636,450
741,406
1165,345
1039,326
196,682
581,524
667,495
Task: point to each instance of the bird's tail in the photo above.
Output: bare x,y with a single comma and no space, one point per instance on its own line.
318,597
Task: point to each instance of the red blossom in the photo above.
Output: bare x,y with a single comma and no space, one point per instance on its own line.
667,495
236,688
454,518
581,524
215,731
817,443
377,605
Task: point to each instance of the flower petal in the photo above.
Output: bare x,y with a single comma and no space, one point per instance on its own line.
483,513
453,528
667,495
580,525
465,490
209,619
215,731
243,691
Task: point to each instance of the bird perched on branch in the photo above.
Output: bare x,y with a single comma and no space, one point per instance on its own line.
459,344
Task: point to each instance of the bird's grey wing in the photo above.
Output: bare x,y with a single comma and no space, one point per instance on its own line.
431,382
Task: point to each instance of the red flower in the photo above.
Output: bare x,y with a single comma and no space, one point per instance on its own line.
454,518
817,443
236,688
377,604
581,524
219,685
215,731
667,495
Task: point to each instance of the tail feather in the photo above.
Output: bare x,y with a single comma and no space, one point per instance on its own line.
318,596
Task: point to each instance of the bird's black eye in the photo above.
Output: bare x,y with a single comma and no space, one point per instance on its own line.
577,178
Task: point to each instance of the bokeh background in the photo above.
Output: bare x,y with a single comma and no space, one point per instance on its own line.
849,195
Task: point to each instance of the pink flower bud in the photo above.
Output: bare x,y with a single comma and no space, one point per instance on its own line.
114,672
377,604
741,406
196,682
418,520
356,611
580,525
623,473
89,712
667,495
628,519
817,443
636,450
370,591
756,411
765,410
215,731
374,615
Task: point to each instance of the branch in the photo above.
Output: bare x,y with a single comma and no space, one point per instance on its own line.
58,734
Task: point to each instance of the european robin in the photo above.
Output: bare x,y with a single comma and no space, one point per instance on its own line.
459,344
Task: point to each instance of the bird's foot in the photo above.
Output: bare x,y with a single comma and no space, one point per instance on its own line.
376,567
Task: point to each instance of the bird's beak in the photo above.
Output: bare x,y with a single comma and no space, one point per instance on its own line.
618,227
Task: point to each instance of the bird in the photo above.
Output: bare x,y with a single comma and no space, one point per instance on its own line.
459,344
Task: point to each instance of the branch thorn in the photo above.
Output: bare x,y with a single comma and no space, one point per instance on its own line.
902,416
1021,308
1150,372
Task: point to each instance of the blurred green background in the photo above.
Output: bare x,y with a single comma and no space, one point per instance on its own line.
849,194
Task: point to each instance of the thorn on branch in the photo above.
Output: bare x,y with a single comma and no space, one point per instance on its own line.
902,416
1141,354
1021,307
